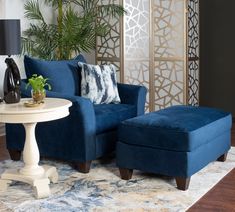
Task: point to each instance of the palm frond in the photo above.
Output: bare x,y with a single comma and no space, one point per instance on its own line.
86,5
32,10
26,45
51,2
102,29
114,10
55,2
75,31
40,40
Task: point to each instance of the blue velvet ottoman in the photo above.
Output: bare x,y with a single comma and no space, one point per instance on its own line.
177,141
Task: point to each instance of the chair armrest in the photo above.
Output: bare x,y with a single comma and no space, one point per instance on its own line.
82,108
76,100
134,95
81,118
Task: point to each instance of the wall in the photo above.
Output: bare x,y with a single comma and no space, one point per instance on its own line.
217,45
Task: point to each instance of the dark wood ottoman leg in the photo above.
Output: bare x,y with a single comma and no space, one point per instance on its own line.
222,158
126,174
14,154
182,183
83,167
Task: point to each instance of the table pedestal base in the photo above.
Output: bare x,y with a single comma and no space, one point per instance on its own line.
40,183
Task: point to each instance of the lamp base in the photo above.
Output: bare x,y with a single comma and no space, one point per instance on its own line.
11,84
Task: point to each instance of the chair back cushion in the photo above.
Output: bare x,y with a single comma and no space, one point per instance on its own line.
64,75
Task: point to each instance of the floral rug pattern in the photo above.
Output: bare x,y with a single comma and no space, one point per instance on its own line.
103,190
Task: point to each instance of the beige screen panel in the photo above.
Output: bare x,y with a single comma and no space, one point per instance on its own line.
137,73
168,83
108,48
168,26
169,52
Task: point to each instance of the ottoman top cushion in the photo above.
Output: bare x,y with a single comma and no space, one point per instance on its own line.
178,128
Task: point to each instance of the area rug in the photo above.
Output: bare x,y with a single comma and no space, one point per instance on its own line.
103,190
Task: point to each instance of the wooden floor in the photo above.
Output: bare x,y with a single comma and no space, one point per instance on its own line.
220,198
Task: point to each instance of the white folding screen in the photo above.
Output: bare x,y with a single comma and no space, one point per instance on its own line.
157,47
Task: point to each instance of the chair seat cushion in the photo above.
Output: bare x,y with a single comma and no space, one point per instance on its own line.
109,116
177,128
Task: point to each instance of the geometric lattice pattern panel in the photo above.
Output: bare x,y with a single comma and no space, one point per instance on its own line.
193,52
169,51
193,29
137,29
108,48
169,28
193,80
168,83
136,39
138,74
154,53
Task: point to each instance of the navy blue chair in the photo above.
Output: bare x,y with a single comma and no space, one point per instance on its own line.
90,131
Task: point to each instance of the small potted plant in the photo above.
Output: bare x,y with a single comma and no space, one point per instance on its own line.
38,84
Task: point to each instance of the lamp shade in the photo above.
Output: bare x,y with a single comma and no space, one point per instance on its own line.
10,37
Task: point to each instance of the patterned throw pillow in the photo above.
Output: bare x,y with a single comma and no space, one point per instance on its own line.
99,83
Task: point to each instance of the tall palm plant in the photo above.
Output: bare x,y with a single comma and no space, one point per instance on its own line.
75,30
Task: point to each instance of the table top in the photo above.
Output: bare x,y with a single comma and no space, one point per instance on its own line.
51,109
49,104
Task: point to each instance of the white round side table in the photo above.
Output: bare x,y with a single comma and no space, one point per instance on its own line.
37,176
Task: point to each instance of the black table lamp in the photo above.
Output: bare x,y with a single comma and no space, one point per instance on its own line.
10,45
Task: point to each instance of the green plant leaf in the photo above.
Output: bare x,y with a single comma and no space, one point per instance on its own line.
78,25
55,2
38,83
111,9
32,11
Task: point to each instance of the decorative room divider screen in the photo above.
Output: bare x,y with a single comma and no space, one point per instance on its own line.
157,45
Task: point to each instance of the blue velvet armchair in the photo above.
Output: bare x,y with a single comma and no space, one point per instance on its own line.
89,132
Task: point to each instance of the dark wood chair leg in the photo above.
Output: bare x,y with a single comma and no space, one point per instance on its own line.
222,158
14,154
126,174
83,167
182,183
